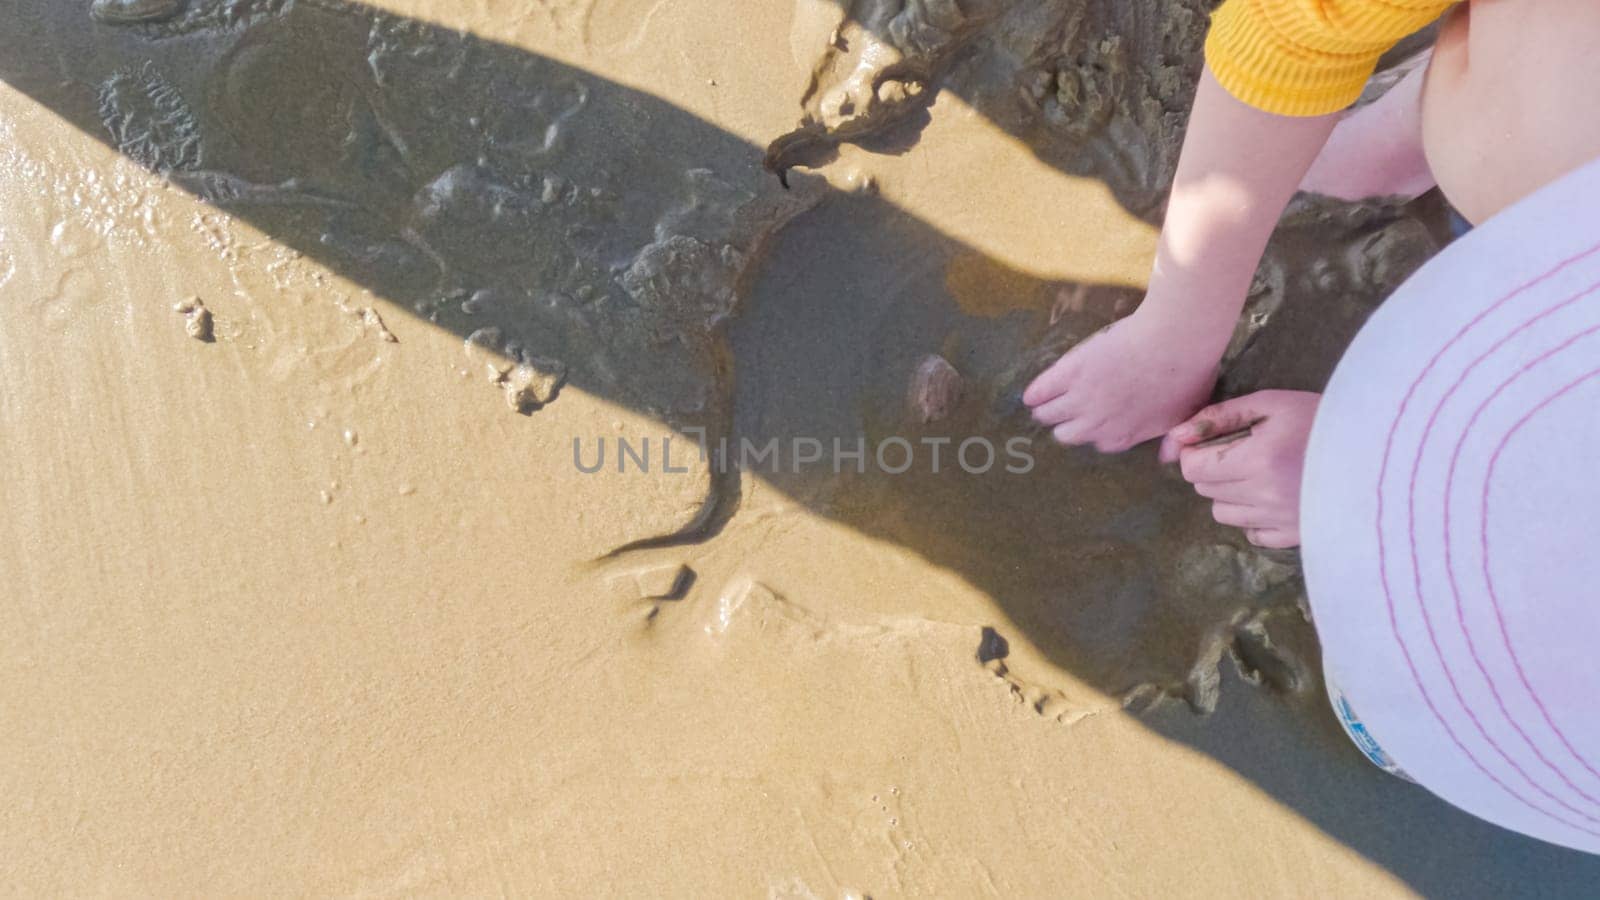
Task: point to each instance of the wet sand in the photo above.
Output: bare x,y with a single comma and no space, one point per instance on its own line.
304,305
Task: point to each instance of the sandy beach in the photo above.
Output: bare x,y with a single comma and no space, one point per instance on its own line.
313,315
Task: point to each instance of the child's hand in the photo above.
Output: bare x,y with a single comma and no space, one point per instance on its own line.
1254,480
1128,383
1136,380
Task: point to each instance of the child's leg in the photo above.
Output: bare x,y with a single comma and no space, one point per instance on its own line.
1376,150
1508,105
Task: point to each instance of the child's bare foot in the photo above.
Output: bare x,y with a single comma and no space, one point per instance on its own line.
1129,383
1253,481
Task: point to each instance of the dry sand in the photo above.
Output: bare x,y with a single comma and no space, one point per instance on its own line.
303,304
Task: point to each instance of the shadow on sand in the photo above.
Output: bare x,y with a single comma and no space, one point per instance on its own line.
553,215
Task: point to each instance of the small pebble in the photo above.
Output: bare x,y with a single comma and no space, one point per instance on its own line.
935,391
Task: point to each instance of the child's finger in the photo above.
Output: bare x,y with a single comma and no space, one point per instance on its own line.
1240,491
1054,412
1218,419
1050,384
1239,515
1273,538
1075,431
1169,449
1219,462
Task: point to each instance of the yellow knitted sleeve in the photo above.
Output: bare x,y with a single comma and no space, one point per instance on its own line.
1307,57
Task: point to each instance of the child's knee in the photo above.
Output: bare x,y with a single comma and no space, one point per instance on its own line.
1505,107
